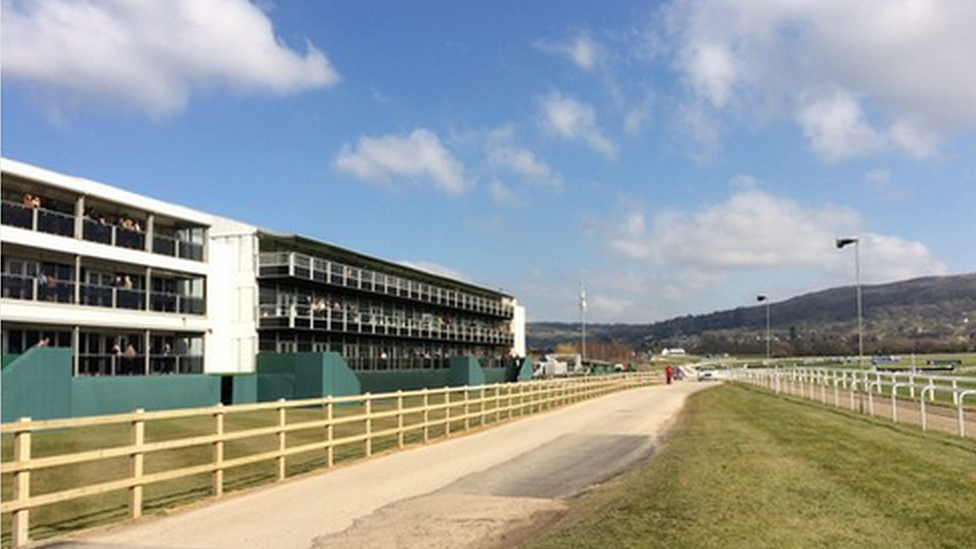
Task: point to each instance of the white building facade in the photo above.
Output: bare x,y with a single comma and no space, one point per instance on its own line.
137,286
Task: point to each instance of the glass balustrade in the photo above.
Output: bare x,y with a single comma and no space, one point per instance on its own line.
101,230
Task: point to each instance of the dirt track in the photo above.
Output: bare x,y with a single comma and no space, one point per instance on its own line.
474,491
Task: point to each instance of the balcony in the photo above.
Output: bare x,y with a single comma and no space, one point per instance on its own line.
99,229
139,364
303,267
95,295
306,317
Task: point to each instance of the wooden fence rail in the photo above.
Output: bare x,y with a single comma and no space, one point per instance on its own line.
369,418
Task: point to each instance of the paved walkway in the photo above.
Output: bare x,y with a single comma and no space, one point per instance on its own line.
469,491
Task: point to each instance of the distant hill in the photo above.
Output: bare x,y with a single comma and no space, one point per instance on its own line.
920,315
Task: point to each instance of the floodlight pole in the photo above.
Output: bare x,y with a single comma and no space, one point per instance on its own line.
582,306
841,242
769,340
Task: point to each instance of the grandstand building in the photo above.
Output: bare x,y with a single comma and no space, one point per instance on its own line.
137,286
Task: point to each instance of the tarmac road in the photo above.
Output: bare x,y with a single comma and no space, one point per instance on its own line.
470,491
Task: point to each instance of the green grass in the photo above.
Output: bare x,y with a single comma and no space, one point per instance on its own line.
745,469
64,518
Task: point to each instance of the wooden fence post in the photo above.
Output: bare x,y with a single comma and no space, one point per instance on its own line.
426,415
20,529
498,403
329,433
282,442
369,425
483,420
137,437
447,412
218,450
467,409
400,435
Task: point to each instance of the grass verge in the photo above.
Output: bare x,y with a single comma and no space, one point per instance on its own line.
745,469
88,512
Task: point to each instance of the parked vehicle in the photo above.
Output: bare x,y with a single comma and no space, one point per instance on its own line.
707,373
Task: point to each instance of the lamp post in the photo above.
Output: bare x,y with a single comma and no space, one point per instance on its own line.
582,308
841,242
762,298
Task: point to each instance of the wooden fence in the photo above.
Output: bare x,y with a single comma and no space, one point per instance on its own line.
359,420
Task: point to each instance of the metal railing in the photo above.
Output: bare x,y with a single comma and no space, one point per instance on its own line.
426,414
907,397
297,265
344,320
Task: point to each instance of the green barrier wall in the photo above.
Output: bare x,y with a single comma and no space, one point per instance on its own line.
496,375
466,370
463,371
96,396
303,375
7,360
405,380
37,385
40,385
245,388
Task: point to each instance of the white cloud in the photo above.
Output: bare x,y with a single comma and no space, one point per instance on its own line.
903,71
526,164
581,50
419,155
835,127
501,193
754,229
711,72
575,121
890,258
151,55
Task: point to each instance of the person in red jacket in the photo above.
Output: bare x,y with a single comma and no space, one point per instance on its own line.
668,373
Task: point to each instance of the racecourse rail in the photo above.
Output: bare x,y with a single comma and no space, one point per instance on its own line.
424,414
909,397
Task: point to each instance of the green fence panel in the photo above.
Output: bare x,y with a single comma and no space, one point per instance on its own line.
466,370
402,380
525,371
496,375
7,360
304,375
37,385
245,389
95,396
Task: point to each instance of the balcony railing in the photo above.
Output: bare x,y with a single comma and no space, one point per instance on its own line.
174,247
305,317
38,219
296,265
62,224
122,365
94,295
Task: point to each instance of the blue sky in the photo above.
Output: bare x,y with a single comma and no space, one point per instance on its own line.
680,157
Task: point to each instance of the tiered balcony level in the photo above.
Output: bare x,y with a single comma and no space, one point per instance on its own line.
295,265
462,317
153,237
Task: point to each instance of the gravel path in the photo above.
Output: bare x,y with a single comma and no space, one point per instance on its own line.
476,491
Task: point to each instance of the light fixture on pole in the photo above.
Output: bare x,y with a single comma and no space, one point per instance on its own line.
762,298
582,308
841,242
